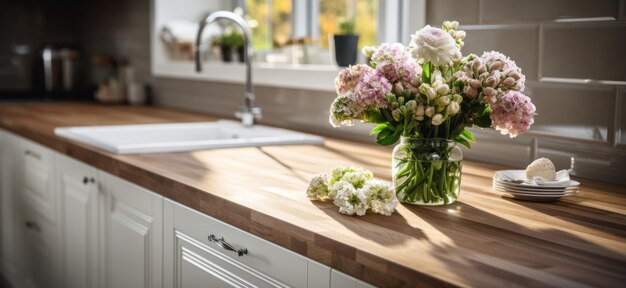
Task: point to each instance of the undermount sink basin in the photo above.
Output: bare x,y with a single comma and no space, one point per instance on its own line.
178,137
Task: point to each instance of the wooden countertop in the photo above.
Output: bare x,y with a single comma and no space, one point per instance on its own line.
483,240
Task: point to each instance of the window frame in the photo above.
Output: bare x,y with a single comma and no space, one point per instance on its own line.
395,20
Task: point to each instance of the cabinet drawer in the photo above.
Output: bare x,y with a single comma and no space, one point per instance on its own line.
36,177
37,241
264,265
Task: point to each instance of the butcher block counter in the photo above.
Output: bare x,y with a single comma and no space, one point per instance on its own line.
482,240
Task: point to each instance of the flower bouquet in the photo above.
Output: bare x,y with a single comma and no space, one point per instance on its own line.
427,95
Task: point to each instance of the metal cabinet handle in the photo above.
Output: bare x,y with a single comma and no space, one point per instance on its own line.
32,154
32,225
222,243
87,180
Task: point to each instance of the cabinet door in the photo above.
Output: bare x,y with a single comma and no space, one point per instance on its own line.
134,234
341,280
8,221
193,260
78,194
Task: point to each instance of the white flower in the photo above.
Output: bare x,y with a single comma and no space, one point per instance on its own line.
334,188
430,111
368,51
443,101
350,200
318,187
453,108
437,120
443,89
433,45
419,111
431,93
344,111
380,197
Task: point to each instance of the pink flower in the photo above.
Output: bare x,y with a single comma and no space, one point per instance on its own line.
394,62
371,91
349,77
390,53
512,114
398,72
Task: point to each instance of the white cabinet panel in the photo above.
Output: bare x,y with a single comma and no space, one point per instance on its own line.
8,221
37,257
194,259
341,280
318,275
36,186
78,193
134,234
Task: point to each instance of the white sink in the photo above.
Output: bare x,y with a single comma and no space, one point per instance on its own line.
158,138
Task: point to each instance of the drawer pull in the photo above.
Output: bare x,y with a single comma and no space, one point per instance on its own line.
87,180
32,154
32,225
227,246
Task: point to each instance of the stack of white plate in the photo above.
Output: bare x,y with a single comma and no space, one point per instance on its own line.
512,184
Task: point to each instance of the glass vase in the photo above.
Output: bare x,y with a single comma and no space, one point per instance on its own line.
427,171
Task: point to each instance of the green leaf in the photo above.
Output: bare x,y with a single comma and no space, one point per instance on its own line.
462,140
456,131
378,128
373,116
483,121
426,70
468,135
387,137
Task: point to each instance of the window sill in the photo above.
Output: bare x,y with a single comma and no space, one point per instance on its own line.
307,77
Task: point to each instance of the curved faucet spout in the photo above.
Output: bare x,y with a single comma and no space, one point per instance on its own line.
247,113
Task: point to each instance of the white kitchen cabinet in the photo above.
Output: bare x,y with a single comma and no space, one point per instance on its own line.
134,234
341,280
76,226
8,220
79,222
191,259
36,206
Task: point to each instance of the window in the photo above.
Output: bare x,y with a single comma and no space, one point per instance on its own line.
272,22
362,11
281,23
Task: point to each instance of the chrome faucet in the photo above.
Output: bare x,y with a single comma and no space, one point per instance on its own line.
247,113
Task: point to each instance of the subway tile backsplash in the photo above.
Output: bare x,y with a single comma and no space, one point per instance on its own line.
466,11
584,50
520,42
559,46
508,11
584,111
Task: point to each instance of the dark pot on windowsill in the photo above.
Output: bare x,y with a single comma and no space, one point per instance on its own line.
240,54
227,53
346,49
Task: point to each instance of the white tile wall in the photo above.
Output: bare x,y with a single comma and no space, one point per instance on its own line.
585,50
573,110
507,11
557,53
520,42
466,11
